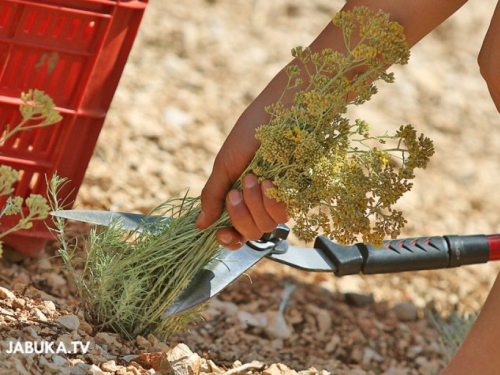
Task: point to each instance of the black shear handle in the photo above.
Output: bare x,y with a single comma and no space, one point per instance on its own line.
412,254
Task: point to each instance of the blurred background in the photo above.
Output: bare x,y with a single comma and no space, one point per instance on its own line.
197,64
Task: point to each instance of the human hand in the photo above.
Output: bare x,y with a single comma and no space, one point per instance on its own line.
251,211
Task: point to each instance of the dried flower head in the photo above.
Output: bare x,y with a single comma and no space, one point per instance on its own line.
320,160
39,106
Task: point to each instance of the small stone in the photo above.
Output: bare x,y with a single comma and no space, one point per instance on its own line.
6,294
30,331
294,316
324,320
381,309
359,300
94,370
86,327
153,344
70,322
176,117
356,355
156,361
19,287
160,347
97,359
228,308
258,320
142,342
37,293
351,284
44,264
18,303
430,368
39,315
406,311
49,307
56,281
76,370
134,371
333,344
183,361
277,327
213,367
83,366
43,362
110,339
60,361
277,344
130,357
63,371
153,340
421,361
370,355
278,369
19,367
414,350
109,366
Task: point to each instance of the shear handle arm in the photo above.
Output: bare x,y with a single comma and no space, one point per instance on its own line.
412,254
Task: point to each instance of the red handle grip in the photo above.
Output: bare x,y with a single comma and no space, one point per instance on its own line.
494,244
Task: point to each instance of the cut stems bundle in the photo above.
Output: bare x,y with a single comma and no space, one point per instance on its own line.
333,175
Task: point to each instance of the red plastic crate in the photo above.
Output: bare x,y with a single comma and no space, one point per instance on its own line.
75,51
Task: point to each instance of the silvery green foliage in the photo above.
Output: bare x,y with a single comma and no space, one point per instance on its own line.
452,330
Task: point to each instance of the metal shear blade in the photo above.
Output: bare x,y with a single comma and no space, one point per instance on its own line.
222,270
125,220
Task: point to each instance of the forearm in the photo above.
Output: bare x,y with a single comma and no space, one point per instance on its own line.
489,58
418,17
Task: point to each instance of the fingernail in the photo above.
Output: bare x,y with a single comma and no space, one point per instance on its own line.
225,238
235,197
249,181
201,218
266,184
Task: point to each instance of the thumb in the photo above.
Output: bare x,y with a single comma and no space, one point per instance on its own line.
213,197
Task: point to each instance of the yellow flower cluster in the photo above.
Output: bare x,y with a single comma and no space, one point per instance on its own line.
335,177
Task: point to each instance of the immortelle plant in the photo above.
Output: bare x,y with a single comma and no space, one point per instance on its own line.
37,110
332,174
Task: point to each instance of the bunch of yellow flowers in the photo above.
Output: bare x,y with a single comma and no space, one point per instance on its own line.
318,159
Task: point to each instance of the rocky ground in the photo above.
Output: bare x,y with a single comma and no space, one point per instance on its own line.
242,331
194,68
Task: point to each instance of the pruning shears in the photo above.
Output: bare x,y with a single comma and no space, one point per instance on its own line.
400,255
